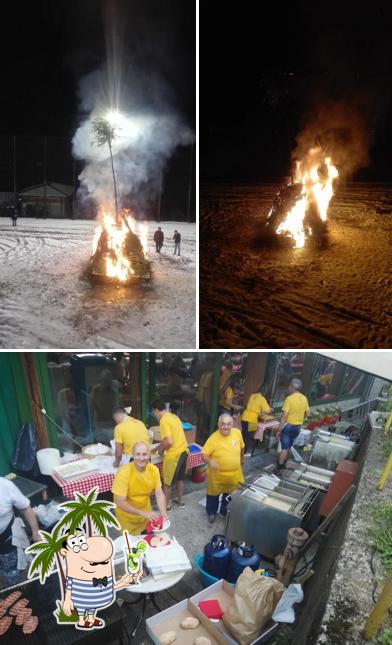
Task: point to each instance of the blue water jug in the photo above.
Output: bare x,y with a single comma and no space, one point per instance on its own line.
217,556
243,556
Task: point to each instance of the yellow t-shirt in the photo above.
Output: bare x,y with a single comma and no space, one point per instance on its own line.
256,404
136,486
129,432
227,452
296,405
170,426
225,396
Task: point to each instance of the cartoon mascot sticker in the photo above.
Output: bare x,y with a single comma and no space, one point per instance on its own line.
83,552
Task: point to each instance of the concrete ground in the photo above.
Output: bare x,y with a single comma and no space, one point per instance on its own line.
360,573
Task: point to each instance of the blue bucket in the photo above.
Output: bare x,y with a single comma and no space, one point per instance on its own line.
206,579
193,449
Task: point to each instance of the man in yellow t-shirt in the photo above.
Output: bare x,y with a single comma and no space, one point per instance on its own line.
257,404
127,432
295,409
175,451
224,454
132,487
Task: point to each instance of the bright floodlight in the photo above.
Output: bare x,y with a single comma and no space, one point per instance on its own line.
114,117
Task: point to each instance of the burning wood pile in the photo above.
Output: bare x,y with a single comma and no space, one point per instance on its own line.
119,250
119,245
300,208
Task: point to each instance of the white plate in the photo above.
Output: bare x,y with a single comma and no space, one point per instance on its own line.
165,526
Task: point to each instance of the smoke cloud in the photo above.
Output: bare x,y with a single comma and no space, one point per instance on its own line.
149,131
341,133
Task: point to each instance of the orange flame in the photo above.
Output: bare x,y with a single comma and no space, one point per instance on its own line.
316,173
141,230
143,235
118,266
117,263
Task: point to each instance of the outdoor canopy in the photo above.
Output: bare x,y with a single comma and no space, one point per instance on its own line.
377,363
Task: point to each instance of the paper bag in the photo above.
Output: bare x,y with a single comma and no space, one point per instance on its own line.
255,599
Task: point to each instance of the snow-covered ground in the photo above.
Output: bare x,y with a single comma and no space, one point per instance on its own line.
253,296
47,301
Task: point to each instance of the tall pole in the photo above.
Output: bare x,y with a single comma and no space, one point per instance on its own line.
379,610
114,179
115,191
159,197
14,164
45,171
73,186
215,391
188,213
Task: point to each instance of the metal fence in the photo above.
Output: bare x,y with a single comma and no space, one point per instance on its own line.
361,410
46,161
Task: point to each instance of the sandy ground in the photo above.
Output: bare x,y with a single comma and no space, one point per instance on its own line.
252,296
46,300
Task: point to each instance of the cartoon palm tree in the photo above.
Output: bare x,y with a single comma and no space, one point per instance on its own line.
81,511
47,552
88,511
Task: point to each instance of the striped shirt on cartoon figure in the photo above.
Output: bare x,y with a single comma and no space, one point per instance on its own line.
90,581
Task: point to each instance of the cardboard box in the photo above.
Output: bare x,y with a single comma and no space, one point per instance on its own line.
170,619
224,593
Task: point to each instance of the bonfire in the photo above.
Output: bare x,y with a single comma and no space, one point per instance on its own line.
120,244
119,249
300,209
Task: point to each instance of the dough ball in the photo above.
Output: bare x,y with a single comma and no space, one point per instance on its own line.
202,640
167,638
190,623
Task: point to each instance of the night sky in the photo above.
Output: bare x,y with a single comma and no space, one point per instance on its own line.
51,44
49,48
266,67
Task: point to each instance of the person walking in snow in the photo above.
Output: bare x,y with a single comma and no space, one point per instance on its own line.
177,242
14,215
158,239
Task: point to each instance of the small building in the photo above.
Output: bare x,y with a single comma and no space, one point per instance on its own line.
6,204
47,200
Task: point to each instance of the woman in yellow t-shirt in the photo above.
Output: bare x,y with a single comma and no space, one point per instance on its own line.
224,454
257,404
132,487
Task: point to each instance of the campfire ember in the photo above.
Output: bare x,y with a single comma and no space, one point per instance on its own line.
119,250
300,209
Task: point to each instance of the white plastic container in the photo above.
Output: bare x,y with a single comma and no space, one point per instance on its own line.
48,459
